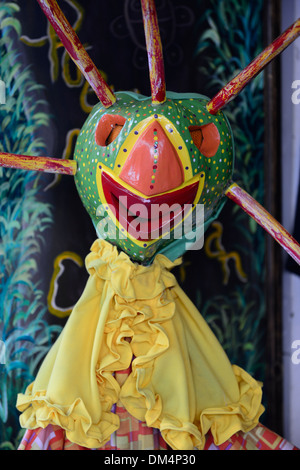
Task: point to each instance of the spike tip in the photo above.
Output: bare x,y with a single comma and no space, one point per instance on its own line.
265,220
155,53
45,164
235,86
77,52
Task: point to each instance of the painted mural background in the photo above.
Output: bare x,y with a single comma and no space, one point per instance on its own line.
44,231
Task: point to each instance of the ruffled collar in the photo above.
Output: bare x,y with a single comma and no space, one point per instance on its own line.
129,279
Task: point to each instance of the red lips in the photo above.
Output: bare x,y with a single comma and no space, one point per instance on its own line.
146,218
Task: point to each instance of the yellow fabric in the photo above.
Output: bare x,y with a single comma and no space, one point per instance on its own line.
181,380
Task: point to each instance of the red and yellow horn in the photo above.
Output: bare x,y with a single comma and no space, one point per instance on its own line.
155,53
77,52
44,164
264,219
235,86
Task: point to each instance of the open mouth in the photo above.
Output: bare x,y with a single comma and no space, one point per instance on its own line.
148,218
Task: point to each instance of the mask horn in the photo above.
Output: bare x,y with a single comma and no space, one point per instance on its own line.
265,220
44,164
235,86
155,53
77,52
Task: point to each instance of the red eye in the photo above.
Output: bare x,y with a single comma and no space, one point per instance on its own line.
108,129
206,138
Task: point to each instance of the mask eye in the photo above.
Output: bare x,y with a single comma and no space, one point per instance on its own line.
108,129
206,138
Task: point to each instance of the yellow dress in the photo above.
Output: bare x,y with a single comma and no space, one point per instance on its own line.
181,381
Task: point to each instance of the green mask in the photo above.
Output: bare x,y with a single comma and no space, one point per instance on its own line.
145,172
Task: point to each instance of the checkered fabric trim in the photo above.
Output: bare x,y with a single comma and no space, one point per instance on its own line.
135,435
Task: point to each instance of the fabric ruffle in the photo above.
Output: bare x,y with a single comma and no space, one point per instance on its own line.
181,381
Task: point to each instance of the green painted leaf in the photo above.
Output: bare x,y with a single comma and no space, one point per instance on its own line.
13,22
